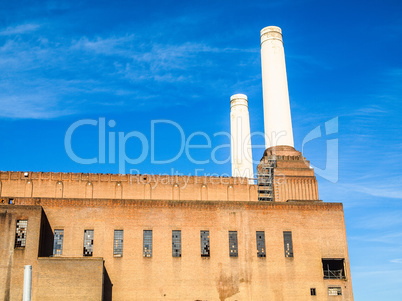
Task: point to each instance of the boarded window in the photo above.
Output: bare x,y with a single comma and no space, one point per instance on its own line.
205,244
233,244
334,291
88,242
21,233
58,242
147,246
118,243
261,244
333,268
312,292
176,243
287,240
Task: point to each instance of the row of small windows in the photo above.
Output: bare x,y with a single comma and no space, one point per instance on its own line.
20,238
332,268
176,243
332,291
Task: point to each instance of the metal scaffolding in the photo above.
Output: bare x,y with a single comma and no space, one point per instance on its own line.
265,181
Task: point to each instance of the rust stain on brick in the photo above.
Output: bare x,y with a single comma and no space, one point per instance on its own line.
227,286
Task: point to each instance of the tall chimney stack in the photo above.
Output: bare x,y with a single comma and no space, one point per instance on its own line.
242,162
277,118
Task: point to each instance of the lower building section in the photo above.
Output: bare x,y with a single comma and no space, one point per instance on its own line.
174,250
64,278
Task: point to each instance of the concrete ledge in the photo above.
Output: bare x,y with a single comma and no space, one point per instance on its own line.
111,203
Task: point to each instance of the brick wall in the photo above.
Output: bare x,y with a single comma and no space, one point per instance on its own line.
112,186
65,278
317,228
13,260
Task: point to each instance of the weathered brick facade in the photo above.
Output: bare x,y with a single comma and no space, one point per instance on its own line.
104,203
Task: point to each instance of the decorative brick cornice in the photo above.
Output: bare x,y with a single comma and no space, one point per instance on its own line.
212,205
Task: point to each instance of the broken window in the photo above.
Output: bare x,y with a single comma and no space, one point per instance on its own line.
88,242
176,243
233,244
287,240
261,244
205,252
118,243
147,243
58,242
333,268
334,291
21,233
312,292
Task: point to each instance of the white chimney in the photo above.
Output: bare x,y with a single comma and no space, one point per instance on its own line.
26,292
277,118
242,160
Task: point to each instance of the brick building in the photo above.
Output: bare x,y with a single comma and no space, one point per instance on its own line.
145,237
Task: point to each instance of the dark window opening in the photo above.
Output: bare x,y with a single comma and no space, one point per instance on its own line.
176,243
21,233
233,249
334,291
333,268
58,242
312,292
147,243
88,242
287,240
260,244
118,243
205,252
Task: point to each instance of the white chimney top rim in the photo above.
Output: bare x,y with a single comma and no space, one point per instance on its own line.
238,96
270,29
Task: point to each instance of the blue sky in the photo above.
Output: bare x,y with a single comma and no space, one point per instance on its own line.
134,62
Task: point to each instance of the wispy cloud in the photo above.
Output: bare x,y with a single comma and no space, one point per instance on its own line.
36,106
19,29
387,187
117,45
370,110
383,237
364,272
60,76
379,220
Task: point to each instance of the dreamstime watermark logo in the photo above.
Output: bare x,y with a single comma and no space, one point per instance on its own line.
112,145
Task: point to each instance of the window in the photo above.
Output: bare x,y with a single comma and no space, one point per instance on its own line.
334,291
176,243
58,242
205,244
21,233
333,268
233,244
260,244
88,242
147,243
118,243
312,292
287,240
